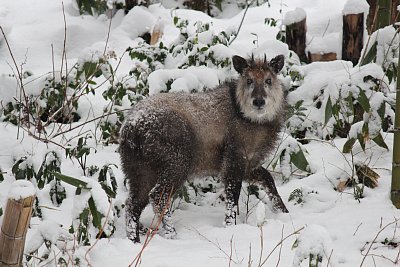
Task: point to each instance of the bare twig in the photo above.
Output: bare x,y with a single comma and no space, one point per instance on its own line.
374,240
241,22
280,242
152,229
230,254
261,245
216,245
280,247
249,262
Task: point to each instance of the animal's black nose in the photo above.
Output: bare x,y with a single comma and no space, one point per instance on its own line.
259,102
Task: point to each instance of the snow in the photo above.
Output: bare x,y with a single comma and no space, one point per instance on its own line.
190,79
21,189
314,240
47,231
294,16
326,44
335,223
356,7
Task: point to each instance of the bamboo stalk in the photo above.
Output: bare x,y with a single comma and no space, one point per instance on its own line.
13,230
384,16
395,188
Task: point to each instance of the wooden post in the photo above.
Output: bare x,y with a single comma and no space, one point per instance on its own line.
199,5
296,32
353,32
394,13
15,223
129,4
322,56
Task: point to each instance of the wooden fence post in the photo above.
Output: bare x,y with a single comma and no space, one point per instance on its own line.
296,30
129,4
353,29
15,223
331,56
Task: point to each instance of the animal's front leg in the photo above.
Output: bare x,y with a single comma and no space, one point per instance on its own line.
232,175
232,190
263,176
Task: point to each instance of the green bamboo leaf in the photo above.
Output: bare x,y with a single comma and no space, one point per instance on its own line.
380,142
108,190
328,110
300,161
71,180
363,100
95,213
381,111
350,101
361,140
348,146
370,56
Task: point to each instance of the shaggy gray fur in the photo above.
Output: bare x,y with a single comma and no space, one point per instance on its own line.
228,131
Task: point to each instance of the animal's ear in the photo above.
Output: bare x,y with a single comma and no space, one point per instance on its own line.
277,63
239,64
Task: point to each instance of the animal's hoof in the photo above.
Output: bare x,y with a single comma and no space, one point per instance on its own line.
281,208
169,233
229,220
135,239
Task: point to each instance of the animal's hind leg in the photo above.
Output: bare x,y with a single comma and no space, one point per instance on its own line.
160,198
263,176
134,207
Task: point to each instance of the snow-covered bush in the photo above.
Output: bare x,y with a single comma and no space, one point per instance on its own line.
348,102
167,65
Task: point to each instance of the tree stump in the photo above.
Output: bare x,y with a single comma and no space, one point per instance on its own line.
296,30
199,5
129,4
394,13
353,32
322,56
15,223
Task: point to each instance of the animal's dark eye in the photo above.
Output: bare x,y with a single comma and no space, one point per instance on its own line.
268,81
249,81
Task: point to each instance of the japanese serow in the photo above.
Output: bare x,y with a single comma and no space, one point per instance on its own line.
228,132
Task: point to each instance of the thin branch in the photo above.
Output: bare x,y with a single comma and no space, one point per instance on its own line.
216,245
280,242
280,247
375,238
241,22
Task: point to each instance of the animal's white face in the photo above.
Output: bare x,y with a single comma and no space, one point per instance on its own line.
259,93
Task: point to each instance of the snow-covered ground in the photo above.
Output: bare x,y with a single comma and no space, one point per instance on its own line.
343,230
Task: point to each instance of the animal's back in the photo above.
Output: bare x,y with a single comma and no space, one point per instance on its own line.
197,122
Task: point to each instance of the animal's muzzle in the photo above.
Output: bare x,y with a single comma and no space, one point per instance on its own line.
259,102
